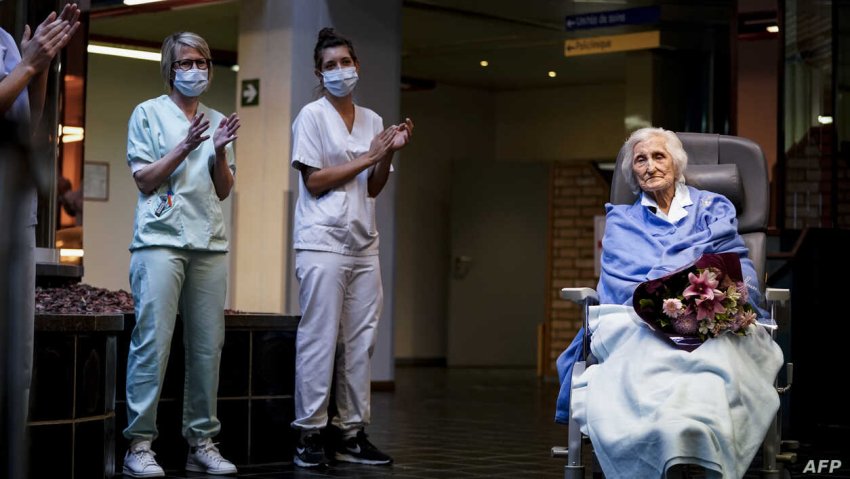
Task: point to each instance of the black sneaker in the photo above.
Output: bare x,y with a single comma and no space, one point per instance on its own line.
310,451
358,449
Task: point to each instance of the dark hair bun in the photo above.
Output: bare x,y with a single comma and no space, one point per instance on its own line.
326,33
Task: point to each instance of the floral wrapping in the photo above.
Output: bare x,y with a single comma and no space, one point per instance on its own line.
701,301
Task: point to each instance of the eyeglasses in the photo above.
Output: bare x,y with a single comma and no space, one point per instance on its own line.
186,64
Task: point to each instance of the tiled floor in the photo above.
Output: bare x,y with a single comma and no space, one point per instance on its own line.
452,423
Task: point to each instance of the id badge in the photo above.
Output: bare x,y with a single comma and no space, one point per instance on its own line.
163,204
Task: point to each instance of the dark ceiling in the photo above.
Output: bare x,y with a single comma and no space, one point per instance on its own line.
442,40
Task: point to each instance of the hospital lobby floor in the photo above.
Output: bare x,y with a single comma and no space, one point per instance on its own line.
451,423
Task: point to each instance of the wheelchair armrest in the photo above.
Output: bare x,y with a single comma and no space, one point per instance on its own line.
777,304
777,295
580,295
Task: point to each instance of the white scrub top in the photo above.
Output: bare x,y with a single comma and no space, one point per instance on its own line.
343,219
19,113
184,211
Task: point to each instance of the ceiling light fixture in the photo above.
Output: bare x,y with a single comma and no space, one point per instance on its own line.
612,2
825,119
484,63
71,134
552,74
773,28
124,52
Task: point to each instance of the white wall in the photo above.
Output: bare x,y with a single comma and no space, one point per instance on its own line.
452,124
262,197
115,86
581,122
576,123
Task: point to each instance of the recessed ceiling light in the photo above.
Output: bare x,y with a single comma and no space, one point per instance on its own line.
483,63
124,52
552,74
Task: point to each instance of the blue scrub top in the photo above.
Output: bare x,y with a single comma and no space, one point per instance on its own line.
184,211
20,114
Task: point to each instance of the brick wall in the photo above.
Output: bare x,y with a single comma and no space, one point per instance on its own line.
809,182
577,194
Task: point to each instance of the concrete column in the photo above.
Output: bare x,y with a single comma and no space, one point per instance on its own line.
276,42
262,198
639,93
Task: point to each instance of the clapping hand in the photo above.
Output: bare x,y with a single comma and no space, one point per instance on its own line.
382,143
39,48
196,133
403,133
226,131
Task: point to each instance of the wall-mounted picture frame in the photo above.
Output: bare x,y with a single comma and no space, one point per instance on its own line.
96,181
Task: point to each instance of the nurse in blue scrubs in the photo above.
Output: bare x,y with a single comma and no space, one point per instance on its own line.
181,155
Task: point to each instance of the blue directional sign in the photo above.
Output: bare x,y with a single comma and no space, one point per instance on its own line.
613,18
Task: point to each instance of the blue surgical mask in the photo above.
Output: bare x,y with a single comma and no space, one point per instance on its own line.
340,82
191,82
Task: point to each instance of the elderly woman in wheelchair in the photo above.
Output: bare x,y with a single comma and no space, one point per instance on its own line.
649,406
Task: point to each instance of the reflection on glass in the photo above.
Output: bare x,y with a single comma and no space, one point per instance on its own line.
809,94
58,140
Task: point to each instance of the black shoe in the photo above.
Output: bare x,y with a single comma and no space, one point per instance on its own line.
358,449
310,451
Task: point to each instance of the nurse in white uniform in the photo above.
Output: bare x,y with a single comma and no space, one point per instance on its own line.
181,156
344,155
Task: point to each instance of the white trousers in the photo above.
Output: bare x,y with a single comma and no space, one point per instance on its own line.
341,301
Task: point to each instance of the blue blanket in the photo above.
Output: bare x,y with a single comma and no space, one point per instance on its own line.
639,246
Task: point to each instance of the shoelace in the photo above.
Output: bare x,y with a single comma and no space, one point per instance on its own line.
210,450
145,457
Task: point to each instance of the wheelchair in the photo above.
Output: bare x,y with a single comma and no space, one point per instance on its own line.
716,163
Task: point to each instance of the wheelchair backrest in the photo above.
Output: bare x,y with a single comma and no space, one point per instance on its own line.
729,165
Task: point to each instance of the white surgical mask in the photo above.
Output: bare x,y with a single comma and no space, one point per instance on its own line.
341,81
191,82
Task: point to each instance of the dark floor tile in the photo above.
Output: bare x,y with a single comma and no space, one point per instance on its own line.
438,423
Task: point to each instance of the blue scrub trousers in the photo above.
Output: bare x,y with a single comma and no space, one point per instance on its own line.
165,280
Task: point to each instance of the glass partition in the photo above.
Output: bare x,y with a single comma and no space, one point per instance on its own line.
809,116
57,138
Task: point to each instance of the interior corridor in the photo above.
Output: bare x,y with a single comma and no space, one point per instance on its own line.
452,423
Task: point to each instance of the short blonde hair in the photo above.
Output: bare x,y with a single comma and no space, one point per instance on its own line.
169,54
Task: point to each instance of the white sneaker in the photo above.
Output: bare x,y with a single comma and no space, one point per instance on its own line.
139,461
205,457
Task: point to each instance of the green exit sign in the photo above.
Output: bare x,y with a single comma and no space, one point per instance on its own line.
250,92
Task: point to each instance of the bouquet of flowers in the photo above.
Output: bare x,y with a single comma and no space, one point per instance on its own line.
698,302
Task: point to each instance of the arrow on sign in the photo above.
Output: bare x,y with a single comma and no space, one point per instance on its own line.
249,93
